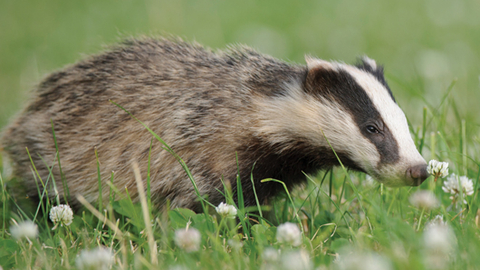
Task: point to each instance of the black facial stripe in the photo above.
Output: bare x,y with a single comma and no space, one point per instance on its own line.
377,73
341,87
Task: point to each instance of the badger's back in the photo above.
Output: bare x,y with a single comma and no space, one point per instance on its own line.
198,101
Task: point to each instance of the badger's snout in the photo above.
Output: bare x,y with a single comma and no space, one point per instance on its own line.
417,174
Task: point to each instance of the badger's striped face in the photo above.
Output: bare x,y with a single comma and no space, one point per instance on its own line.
353,107
367,125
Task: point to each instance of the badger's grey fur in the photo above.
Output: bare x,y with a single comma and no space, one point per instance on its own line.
209,107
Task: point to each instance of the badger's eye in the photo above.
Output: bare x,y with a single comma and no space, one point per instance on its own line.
372,129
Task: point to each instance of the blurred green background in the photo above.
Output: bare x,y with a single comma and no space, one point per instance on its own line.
425,45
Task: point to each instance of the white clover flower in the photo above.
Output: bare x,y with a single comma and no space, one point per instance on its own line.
62,215
178,267
226,210
289,233
188,239
235,244
350,259
271,254
296,260
25,229
271,259
96,259
439,243
424,199
436,221
437,168
455,184
439,237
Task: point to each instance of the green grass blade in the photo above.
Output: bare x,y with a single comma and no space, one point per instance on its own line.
149,188
241,203
255,193
99,181
66,192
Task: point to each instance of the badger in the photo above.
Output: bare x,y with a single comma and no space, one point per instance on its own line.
227,114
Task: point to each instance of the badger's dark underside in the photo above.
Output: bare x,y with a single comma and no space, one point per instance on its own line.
289,167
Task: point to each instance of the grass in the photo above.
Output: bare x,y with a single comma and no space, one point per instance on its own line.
432,63
342,218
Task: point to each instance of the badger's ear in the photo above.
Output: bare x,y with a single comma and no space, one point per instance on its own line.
319,72
367,63
314,63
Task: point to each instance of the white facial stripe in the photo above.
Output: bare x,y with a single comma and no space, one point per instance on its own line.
392,115
344,135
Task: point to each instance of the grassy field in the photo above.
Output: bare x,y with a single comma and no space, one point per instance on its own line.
432,59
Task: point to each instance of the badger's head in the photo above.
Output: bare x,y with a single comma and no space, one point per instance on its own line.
354,109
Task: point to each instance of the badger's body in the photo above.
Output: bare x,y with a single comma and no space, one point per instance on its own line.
209,107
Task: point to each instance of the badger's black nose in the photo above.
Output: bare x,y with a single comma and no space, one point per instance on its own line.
417,174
